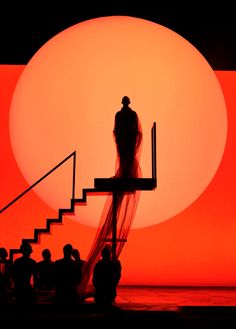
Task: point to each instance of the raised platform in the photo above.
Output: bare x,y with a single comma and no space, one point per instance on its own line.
124,184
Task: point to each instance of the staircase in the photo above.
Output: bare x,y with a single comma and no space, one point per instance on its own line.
101,185
50,221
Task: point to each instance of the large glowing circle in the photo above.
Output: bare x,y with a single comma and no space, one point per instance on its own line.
67,97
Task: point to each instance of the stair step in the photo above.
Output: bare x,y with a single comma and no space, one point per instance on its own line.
54,220
40,230
63,211
102,186
30,240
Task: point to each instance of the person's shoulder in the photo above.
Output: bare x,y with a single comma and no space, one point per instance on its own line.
99,263
17,260
58,261
40,262
118,113
73,262
118,264
33,261
133,112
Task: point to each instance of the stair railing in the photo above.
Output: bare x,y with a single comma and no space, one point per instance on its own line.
73,154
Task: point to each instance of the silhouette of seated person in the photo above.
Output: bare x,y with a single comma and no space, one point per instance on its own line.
5,274
127,134
24,275
106,276
66,277
45,272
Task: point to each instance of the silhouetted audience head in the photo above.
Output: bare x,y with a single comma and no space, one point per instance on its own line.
75,254
106,276
125,100
26,248
106,252
67,250
46,254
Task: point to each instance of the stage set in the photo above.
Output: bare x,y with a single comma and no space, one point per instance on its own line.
171,219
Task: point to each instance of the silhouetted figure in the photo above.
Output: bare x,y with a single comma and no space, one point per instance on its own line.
120,206
66,277
127,132
80,262
24,276
45,272
106,276
5,274
77,258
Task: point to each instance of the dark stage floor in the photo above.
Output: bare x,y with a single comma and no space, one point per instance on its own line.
171,299
158,307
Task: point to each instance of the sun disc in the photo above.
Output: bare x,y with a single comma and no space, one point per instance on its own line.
67,97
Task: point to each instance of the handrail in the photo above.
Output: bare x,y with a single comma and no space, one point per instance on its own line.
43,177
153,138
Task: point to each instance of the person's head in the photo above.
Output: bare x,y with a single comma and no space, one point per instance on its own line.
75,254
125,100
67,250
26,248
3,253
106,253
46,254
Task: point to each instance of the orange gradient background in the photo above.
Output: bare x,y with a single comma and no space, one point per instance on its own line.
67,97
196,247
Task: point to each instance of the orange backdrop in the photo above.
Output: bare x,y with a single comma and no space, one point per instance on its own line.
196,247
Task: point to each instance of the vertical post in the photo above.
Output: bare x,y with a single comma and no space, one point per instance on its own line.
154,174
74,169
114,222
11,257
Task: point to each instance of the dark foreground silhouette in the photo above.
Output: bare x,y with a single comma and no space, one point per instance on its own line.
106,276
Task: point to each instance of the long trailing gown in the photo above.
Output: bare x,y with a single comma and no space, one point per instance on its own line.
128,137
